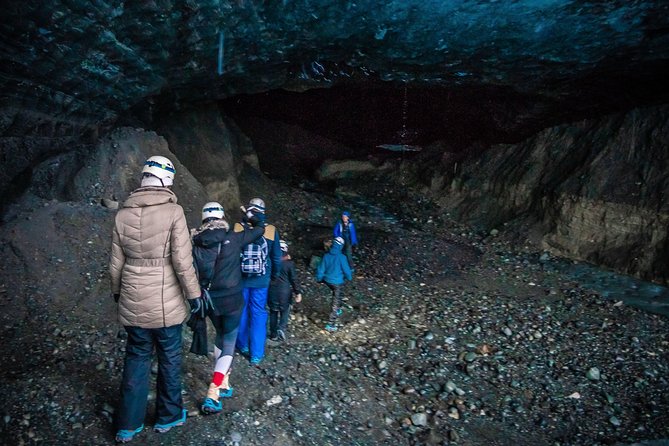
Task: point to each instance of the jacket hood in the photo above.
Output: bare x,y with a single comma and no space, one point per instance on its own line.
336,248
149,196
210,233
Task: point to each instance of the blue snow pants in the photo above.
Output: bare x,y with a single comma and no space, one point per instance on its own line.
253,324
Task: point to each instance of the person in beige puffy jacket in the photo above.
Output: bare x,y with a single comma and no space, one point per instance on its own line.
151,270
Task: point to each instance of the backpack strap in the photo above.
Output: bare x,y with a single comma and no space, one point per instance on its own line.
218,253
270,232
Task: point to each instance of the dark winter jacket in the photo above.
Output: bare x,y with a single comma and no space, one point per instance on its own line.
220,271
334,267
273,263
339,231
287,278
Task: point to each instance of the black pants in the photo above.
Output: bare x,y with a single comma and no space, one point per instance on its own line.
348,252
336,302
136,374
227,327
279,310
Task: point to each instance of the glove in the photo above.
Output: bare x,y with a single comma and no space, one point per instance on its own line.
257,219
197,307
298,298
116,297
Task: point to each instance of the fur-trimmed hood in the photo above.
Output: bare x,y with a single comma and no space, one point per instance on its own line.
213,224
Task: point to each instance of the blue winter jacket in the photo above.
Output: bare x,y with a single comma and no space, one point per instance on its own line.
338,229
334,267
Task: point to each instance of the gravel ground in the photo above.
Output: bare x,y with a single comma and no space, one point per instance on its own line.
449,336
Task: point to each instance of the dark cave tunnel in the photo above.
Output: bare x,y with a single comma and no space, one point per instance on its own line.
463,120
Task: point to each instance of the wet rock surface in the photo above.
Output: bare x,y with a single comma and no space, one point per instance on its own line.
448,336
592,190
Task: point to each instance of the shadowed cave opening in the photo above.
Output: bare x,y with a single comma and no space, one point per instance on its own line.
305,128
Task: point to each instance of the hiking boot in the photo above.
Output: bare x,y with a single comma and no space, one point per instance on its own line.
125,435
225,393
256,360
281,335
331,328
225,390
244,351
211,406
340,311
162,428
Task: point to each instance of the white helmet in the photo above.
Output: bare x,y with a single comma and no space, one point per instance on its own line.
160,167
283,245
256,204
212,210
339,241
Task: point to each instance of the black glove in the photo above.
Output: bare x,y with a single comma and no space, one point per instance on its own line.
257,219
197,307
116,297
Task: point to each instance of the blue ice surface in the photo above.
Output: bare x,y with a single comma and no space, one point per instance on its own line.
631,291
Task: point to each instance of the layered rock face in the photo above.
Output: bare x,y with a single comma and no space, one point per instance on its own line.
214,150
597,189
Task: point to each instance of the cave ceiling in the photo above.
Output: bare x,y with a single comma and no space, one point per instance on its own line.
92,60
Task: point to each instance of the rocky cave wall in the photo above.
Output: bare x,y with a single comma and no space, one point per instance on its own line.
595,190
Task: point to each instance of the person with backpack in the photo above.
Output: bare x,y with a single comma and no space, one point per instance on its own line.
261,261
281,290
151,269
334,270
345,228
217,250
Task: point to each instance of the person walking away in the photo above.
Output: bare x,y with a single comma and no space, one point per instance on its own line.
261,261
151,269
334,270
345,228
217,250
281,290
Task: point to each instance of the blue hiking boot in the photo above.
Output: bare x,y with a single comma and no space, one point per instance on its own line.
331,328
125,435
256,360
225,393
162,428
244,351
211,406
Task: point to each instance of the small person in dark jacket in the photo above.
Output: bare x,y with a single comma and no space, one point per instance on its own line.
280,296
333,271
216,250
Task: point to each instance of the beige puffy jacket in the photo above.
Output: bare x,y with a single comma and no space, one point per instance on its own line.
151,260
